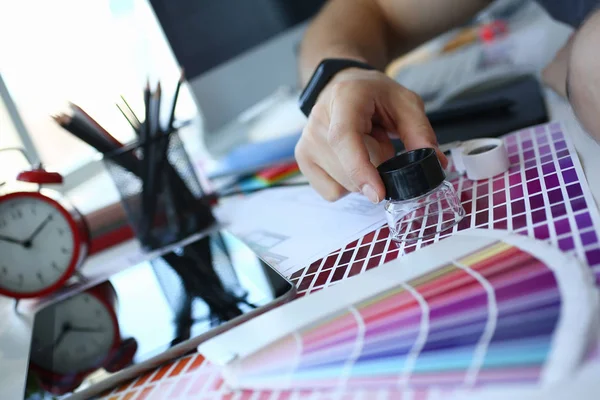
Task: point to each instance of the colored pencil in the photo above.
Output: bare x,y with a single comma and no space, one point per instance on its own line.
129,120
137,121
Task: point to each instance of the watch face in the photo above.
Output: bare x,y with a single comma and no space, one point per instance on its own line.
36,244
73,336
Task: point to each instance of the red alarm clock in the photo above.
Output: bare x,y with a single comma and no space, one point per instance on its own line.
75,337
43,239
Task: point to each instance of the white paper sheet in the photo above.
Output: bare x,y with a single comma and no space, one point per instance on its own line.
293,227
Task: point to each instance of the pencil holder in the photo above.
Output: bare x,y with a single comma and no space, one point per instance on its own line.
160,191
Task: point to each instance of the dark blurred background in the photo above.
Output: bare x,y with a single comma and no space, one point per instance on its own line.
206,33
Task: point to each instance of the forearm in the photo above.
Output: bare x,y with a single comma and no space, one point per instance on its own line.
375,31
583,82
555,74
345,29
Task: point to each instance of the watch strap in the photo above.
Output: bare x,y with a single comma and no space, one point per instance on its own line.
324,72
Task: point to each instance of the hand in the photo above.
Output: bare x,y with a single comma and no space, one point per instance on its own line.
347,133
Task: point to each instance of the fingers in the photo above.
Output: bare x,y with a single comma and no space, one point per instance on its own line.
412,125
383,149
350,121
442,157
347,134
321,181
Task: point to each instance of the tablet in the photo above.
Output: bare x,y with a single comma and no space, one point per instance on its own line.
148,314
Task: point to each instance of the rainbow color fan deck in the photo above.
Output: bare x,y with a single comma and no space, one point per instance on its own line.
479,309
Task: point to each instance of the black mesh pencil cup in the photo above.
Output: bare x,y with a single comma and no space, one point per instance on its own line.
159,190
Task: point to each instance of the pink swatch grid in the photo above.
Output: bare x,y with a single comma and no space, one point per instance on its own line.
543,195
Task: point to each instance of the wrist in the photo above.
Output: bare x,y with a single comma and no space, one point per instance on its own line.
328,71
311,57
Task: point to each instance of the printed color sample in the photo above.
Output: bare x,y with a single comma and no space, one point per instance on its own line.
543,195
488,317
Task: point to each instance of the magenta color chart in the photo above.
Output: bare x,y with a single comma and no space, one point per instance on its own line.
544,195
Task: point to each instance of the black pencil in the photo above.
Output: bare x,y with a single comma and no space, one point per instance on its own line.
79,127
153,153
146,125
94,125
102,134
155,109
174,105
76,125
145,144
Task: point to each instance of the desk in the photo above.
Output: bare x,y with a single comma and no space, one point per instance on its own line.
15,331
197,379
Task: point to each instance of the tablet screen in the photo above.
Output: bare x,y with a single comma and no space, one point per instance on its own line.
144,311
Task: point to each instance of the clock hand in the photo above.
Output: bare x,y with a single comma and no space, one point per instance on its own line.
62,335
66,328
10,240
59,339
27,243
84,329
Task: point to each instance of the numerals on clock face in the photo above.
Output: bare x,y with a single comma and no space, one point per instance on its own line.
36,244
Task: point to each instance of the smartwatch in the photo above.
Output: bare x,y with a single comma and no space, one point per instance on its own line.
321,77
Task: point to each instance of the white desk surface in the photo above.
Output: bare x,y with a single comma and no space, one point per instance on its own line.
15,330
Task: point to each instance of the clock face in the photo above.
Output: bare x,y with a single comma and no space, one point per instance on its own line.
73,336
37,245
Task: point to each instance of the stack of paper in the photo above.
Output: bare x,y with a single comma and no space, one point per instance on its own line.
292,227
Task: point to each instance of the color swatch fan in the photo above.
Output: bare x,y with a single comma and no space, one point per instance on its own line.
476,310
